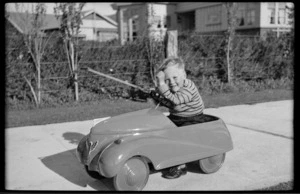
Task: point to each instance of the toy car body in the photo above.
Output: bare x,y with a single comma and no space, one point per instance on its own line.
123,146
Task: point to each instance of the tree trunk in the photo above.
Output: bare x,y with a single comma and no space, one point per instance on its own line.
172,44
38,65
76,85
229,72
32,91
74,69
231,25
39,82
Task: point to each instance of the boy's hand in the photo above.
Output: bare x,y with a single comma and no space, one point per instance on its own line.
154,94
160,77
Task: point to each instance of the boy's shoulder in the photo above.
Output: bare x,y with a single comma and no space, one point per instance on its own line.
188,82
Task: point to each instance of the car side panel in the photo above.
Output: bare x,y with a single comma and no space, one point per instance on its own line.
168,147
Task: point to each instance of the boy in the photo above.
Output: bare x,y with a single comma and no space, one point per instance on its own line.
182,98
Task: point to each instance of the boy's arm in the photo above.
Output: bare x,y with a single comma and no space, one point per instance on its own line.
181,97
160,99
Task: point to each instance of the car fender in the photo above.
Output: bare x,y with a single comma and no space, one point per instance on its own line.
118,152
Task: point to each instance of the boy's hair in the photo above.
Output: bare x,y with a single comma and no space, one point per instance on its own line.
172,61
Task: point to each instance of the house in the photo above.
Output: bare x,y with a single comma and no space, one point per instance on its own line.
95,26
139,19
254,18
98,27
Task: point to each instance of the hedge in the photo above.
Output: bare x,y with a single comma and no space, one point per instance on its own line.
256,61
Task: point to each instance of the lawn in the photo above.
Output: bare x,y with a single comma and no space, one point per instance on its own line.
92,110
286,186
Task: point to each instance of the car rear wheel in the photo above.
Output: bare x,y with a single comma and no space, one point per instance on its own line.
133,175
212,164
93,174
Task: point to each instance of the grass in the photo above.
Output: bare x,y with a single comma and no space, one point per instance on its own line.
92,110
280,187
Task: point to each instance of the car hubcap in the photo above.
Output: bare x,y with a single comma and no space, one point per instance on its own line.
212,164
133,175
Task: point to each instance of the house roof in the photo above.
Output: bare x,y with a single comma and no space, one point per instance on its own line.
116,5
108,19
22,21
113,17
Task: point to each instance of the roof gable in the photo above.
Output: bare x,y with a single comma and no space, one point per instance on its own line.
22,21
88,15
93,17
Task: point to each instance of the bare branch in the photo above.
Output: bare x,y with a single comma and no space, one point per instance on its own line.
32,90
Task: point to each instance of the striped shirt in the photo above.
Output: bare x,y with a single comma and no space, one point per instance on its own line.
186,102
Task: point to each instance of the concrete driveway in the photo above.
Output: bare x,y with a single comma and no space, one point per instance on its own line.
43,157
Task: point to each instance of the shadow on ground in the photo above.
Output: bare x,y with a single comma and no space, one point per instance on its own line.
67,165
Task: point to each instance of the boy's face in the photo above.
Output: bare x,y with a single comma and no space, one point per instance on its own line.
174,78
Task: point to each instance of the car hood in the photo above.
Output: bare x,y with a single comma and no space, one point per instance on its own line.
133,122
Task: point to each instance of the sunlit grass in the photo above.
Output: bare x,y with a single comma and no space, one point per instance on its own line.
286,186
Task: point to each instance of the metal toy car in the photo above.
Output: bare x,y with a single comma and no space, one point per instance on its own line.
125,146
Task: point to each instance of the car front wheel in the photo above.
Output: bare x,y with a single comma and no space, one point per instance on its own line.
133,175
212,164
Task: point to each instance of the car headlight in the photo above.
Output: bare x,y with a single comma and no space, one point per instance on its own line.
92,145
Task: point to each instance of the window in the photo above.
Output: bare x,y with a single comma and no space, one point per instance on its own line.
250,17
246,14
281,13
281,16
135,25
213,18
271,13
214,15
241,17
126,31
167,21
135,28
179,19
241,14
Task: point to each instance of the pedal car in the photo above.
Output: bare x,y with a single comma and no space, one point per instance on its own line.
123,147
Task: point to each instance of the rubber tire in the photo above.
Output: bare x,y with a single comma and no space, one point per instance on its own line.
212,164
133,175
93,174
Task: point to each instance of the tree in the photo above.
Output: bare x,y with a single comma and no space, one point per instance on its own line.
35,41
155,45
231,9
71,19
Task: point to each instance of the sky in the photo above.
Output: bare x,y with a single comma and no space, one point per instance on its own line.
103,8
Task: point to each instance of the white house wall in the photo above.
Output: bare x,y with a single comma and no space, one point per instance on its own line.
88,32
264,15
156,10
88,28
161,11
97,24
264,20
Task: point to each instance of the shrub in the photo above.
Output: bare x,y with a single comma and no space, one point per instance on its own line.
257,63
